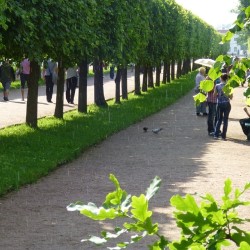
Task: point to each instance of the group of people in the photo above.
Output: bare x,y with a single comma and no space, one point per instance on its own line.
219,107
49,73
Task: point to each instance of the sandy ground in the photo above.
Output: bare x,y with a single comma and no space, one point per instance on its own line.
187,160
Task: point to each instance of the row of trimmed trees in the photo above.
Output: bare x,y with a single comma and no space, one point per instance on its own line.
149,33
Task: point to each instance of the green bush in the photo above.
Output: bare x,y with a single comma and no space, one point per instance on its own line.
209,225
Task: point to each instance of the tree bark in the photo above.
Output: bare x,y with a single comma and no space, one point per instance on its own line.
164,78
158,76
172,69
118,85
179,68
186,66
98,83
83,82
145,79
125,83
168,72
31,109
150,77
60,91
137,80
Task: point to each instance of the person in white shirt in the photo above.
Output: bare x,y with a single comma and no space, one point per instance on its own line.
71,83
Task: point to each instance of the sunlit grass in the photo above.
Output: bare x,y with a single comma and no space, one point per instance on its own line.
28,154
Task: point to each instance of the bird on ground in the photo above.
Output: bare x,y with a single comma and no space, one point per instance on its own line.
156,130
145,129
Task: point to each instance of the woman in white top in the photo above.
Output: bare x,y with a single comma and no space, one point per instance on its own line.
71,83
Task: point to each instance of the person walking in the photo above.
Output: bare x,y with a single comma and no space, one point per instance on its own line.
24,74
71,83
7,75
201,108
49,72
223,107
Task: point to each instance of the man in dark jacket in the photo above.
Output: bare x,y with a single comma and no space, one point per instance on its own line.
7,75
245,124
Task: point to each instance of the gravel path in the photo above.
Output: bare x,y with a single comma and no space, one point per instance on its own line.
187,160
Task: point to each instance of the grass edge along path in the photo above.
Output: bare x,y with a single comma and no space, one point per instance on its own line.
28,154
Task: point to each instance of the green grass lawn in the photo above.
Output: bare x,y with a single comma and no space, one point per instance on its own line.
28,154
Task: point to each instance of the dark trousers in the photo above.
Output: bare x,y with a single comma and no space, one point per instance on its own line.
211,118
223,110
245,125
49,87
24,79
71,84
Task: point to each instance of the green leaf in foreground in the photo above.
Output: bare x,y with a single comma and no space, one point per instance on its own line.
153,188
244,246
199,98
95,213
187,204
140,208
206,85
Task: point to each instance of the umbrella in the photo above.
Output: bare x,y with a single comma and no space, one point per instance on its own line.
205,62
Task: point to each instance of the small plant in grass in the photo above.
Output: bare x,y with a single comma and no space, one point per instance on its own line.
209,225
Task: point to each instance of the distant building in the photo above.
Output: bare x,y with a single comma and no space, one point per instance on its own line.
235,48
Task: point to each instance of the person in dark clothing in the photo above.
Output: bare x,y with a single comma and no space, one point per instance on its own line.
112,72
223,107
7,75
49,71
71,83
245,124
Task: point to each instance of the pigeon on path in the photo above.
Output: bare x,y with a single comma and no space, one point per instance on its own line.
156,130
145,129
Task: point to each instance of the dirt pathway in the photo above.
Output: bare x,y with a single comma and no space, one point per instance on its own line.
187,160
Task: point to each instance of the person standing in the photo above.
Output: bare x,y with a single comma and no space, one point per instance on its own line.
201,108
223,107
7,75
211,103
112,72
24,74
49,72
71,83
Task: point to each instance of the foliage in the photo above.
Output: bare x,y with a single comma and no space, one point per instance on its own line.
208,226
238,68
74,134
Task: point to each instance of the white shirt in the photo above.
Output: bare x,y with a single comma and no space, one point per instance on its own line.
71,72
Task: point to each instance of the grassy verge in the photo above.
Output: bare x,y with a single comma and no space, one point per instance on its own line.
28,154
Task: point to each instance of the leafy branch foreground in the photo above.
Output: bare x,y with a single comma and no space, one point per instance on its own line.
205,226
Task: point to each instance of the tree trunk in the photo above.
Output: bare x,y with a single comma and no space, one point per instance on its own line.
31,109
60,91
83,82
186,66
145,79
118,85
98,83
137,80
164,78
150,77
158,76
172,69
168,72
125,83
195,66
179,68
